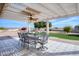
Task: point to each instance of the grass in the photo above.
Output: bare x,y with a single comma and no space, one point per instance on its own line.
65,36
2,28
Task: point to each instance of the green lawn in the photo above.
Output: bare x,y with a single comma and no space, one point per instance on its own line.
65,36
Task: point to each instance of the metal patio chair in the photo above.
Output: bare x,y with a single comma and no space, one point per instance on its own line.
21,36
31,40
43,40
25,39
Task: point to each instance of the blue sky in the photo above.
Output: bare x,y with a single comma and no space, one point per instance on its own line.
13,24
61,22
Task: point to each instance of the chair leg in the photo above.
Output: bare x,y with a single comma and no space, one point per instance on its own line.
21,44
42,48
35,45
27,45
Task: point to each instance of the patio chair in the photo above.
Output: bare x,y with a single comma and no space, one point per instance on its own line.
21,36
43,40
25,39
30,40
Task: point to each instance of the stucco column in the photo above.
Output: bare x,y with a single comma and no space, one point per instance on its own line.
29,27
47,27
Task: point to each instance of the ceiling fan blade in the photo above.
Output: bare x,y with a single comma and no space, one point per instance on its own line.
32,10
26,13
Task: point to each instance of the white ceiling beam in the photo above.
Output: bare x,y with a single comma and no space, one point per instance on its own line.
48,9
76,7
59,4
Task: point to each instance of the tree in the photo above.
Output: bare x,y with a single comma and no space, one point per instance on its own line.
41,24
67,29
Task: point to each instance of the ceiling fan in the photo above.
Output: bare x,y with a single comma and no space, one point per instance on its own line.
31,13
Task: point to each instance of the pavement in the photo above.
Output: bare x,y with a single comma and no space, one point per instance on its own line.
10,46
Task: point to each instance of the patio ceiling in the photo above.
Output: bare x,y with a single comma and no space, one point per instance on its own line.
47,11
1,7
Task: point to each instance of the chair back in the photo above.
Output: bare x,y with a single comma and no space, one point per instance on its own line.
44,38
21,36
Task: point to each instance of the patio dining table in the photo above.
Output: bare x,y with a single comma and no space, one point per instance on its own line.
29,38
33,39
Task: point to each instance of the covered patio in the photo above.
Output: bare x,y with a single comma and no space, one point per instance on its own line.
9,45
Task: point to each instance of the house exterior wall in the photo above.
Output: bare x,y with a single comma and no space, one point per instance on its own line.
76,29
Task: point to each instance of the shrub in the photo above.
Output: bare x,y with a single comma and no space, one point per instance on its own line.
67,29
1,28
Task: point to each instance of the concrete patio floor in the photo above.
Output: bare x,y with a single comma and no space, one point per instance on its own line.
9,46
